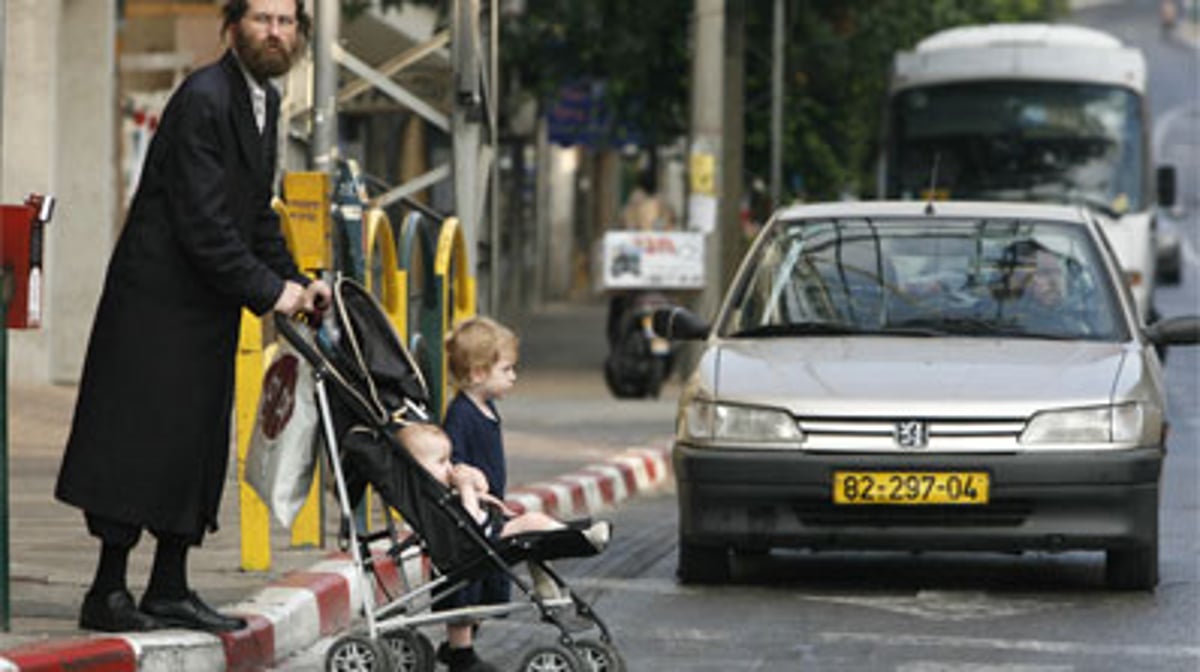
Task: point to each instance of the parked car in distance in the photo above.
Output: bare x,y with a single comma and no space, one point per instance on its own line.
943,376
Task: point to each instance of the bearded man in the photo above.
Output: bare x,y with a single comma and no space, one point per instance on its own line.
150,440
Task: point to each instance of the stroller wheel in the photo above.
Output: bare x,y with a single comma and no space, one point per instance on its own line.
599,656
409,650
354,653
552,658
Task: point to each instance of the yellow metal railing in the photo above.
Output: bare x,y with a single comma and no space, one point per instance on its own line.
447,295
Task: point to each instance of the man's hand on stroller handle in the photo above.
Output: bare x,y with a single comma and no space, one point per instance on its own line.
317,297
311,300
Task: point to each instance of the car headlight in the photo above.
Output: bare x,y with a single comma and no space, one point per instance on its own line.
1120,423
750,426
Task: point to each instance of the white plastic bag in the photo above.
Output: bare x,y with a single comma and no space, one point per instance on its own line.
283,450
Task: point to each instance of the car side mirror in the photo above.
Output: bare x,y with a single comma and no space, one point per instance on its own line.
1165,179
1184,330
679,324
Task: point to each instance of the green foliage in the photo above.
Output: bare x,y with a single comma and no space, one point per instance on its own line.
639,48
837,60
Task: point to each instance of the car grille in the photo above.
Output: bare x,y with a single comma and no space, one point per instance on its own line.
944,435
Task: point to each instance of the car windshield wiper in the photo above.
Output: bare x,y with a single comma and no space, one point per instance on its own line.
978,326
958,326
800,329
831,329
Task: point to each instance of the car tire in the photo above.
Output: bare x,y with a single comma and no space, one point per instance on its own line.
702,564
1136,567
1132,568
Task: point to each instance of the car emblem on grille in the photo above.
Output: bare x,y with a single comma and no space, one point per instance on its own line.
912,434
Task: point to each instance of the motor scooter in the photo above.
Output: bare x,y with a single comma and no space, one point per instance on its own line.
639,360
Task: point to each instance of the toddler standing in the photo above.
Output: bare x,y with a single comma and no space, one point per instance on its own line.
482,359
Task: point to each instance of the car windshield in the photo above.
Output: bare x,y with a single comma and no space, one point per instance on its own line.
1051,142
925,277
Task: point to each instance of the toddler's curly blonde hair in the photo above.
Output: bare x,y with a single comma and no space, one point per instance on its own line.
475,345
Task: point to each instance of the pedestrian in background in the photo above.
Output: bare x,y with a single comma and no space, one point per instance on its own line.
645,209
482,360
150,440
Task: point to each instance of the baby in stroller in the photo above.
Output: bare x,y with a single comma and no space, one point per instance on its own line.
430,447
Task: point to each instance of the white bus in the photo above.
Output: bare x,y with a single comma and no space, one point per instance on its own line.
1030,112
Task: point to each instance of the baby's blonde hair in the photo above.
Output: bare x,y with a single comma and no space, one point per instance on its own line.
418,438
478,343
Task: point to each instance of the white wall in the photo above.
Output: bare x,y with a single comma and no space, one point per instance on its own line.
84,228
59,125
30,122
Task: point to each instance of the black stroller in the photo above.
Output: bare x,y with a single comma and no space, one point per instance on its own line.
376,388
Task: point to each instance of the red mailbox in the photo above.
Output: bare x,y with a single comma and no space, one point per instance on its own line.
21,255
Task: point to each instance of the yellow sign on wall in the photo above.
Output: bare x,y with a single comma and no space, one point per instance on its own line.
702,170
306,219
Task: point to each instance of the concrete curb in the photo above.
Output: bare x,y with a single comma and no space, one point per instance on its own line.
292,614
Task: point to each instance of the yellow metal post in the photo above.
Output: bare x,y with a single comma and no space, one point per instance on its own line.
255,518
383,276
457,295
305,221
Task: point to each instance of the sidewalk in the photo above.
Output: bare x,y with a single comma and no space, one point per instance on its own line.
563,458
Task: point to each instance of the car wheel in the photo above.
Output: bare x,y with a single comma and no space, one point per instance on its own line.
1132,569
702,564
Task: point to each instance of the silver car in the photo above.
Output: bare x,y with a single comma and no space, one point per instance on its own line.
960,376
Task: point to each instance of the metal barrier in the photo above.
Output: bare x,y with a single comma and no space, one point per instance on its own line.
305,222
420,276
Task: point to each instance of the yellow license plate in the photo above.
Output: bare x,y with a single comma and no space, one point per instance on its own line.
910,487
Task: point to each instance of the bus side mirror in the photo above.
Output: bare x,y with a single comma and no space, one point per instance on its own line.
1166,186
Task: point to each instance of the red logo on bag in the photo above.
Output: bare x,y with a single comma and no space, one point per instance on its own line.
278,396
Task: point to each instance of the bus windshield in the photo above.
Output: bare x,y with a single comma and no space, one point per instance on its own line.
1053,142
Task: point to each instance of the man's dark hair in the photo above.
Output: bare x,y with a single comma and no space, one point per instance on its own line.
234,10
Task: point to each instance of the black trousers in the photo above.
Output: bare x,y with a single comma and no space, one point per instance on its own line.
126,535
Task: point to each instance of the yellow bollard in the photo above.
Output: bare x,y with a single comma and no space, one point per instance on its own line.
306,227
255,518
304,220
383,277
457,294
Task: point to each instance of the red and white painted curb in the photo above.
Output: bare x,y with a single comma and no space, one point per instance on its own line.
292,614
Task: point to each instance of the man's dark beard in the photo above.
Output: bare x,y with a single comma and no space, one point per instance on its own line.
262,62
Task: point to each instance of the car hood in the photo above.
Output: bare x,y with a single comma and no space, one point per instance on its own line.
927,377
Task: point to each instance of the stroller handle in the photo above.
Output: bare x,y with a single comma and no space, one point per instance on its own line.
288,328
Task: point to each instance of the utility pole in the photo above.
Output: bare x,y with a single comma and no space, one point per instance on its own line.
777,104
325,34
717,137
469,126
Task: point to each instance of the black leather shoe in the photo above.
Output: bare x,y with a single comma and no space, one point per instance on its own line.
115,612
190,612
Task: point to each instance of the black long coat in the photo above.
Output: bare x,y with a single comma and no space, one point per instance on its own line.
150,439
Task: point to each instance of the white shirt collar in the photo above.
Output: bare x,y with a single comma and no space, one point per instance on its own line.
258,95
